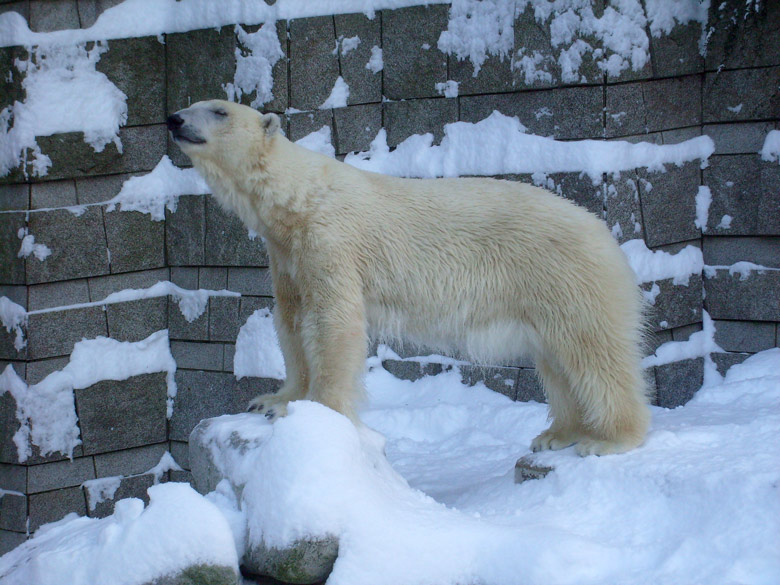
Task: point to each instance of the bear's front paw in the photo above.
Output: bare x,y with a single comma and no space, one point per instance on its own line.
551,440
270,406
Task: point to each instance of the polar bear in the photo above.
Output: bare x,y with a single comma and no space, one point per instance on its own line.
479,267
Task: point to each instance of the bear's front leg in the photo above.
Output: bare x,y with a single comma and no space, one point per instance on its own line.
287,320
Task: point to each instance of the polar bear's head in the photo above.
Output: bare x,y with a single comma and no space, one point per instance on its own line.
211,130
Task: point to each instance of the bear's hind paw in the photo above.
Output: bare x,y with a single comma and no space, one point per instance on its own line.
269,405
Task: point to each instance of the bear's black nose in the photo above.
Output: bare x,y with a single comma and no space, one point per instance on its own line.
175,121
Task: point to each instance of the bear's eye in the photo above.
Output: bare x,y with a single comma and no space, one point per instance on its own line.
221,113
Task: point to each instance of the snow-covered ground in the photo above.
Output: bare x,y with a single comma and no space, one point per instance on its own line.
697,503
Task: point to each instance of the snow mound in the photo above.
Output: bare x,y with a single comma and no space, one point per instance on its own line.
178,530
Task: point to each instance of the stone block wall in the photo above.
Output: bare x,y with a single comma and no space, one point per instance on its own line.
730,94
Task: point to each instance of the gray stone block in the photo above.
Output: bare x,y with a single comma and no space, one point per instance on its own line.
198,356
100,189
314,67
684,333
137,67
501,380
494,76
565,113
182,477
129,461
59,474
746,189
669,204
129,487
623,209
57,294
411,370
142,149
724,361
135,241
743,35
223,319
725,251
527,468
738,137
37,371
54,334
677,53
53,194
250,281
365,86
212,278
413,63
180,328
533,38
579,188
227,240
204,395
656,339
52,506
196,574
356,126
405,118
529,387
725,99
185,277
13,513
676,383
251,304
90,10
281,83
304,123
756,298
10,540
122,414
78,245
12,268
745,336
185,231
229,355
13,477
180,451
11,88
137,320
51,15
198,64
9,424
100,288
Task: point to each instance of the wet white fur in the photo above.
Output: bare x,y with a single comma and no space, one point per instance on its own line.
484,268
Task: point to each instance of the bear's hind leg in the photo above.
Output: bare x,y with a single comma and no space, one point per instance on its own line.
565,429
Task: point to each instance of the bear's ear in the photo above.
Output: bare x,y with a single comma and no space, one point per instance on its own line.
270,124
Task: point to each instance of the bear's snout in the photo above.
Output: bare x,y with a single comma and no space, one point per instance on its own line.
175,122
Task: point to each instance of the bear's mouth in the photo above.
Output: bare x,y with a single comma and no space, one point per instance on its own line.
182,138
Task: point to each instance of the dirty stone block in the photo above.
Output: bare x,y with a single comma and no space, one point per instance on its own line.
37,371
129,487
676,383
212,277
9,424
579,188
314,67
122,414
625,111
753,298
746,189
529,387
54,334
137,320
280,87
12,267
356,127
743,35
142,149
724,251
53,194
181,477
129,461
90,10
58,294
405,118
672,103
725,99
228,242
677,53
11,88
564,113
249,387
528,468
52,15
413,63
100,189
202,395
10,540
411,370
494,76
623,209
78,245
52,506
304,123
202,573
675,305
59,474
724,361
365,86
13,478
180,451
669,204
13,513
745,336
532,43
180,328
198,64
738,137
198,356
185,231
250,281
501,380
101,287
135,241
251,304
137,67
